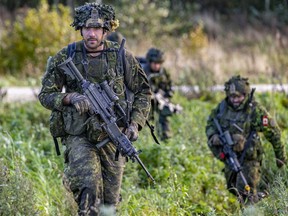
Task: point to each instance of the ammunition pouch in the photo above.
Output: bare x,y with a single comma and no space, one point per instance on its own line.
94,130
57,128
67,122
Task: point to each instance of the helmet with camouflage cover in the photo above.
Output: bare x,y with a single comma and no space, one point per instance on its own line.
237,85
155,55
115,37
95,15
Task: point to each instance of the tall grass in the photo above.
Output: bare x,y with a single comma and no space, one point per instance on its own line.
189,180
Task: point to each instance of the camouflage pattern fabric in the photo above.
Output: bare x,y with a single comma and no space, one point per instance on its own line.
159,81
246,118
95,15
93,175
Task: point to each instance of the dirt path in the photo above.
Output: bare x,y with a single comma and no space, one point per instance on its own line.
20,94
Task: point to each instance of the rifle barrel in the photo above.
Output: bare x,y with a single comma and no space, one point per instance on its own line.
143,166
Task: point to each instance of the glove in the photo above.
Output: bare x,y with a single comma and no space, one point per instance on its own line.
280,163
79,101
132,131
214,140
239,141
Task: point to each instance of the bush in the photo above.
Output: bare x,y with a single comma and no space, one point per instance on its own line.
30,40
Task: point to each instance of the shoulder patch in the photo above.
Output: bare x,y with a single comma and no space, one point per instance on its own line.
265,120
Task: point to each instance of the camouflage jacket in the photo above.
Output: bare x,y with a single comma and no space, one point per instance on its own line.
251,117
159,80
100,68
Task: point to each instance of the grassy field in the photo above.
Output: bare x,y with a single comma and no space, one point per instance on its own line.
189,180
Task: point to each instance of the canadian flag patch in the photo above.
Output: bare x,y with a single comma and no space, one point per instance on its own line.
265,120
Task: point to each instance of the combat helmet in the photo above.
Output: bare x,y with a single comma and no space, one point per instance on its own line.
115,37
237,85
95,15
155,55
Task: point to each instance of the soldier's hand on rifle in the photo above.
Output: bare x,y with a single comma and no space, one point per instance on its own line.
239,141
79,101
214,140
132,131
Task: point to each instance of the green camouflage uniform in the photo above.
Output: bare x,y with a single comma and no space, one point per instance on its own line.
160,80
249,116
93,175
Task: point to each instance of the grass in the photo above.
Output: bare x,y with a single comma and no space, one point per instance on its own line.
188,179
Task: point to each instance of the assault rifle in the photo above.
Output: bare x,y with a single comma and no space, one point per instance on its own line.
230,155
102,100
164,102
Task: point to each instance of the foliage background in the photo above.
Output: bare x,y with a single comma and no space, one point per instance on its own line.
205,42
201,39
189,180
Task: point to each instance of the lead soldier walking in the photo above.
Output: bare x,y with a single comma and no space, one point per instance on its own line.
243,118
92,174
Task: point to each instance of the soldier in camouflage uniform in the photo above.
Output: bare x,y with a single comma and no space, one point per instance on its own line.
242,116
161,83
115,37
93,175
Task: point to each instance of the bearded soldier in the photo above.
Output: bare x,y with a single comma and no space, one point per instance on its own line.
161,85
92,174
243,118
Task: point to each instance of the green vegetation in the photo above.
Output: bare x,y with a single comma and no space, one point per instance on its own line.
232,39
189,179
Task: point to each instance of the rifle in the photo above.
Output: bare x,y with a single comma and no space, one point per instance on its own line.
102,100
164,102
232,160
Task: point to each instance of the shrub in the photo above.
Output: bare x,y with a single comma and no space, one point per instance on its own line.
30,40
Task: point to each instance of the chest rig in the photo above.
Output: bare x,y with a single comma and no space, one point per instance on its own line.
109,65
236,121
112,66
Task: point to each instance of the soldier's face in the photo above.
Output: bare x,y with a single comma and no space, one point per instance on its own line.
155,66
93,37
236,100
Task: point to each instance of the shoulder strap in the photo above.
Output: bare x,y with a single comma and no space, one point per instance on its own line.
222,108
121,57
129,96
71,50
250,137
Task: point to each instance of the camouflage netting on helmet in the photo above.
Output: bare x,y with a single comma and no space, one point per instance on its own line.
155,55
237,85
99,15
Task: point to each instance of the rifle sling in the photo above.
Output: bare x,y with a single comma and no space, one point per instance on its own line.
56,146
247,145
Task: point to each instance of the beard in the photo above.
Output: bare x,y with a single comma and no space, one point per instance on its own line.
92,44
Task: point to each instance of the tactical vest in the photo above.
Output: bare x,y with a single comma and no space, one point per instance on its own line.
114,73
240,122
69,121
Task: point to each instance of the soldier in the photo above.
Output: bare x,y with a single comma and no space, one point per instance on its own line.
93,175
115,37
244,118
161,85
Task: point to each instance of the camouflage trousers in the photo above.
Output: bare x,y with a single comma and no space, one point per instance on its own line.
236,186
161,119
164,129
92,175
